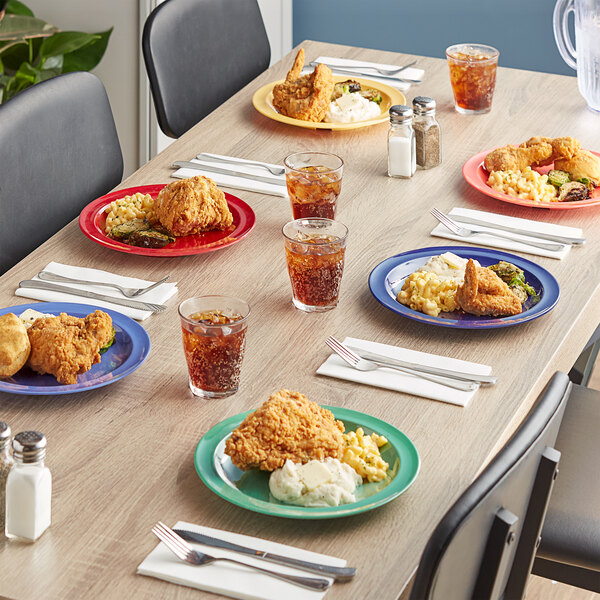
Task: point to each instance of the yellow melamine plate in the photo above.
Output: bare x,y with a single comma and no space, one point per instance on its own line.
263,102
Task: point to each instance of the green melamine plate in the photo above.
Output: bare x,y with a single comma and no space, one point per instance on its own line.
250,489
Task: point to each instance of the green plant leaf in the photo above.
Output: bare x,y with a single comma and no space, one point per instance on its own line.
27,72
18,27
49,73
86,58
52,63
65,42
14,7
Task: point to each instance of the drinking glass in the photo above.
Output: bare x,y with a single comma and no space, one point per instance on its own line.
473,77
314,182
214,340
314,250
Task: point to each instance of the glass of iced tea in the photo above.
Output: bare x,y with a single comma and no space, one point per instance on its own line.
314,250
473,77
314,182
214,340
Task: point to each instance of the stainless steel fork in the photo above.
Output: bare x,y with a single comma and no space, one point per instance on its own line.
240,161
386,72
182,550
454,227
129,292
362,364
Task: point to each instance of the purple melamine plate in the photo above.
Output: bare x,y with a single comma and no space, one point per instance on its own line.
387,278
130,350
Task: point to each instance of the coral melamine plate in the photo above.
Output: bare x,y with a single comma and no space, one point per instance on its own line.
263,102
93,218
476,176
250,489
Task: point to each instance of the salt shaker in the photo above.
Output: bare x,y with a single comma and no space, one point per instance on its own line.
28,488
427,133
6,464
401,143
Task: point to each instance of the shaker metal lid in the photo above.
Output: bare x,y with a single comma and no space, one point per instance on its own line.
30,445
400,112
4,431
423,104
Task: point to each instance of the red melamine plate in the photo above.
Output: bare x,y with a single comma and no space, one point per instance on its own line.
475,175
93,218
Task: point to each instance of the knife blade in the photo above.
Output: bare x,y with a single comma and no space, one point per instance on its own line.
358,73
459,375
45,285
184,164
338,573
534,234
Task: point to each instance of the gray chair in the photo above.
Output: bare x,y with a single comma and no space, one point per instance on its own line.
484,546
570,548
199,53
59,150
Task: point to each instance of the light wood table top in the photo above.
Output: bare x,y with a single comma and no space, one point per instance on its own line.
122,455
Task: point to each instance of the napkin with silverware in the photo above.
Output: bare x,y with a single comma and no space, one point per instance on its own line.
233,164
230,579
159,295
527,226
369,72
397,381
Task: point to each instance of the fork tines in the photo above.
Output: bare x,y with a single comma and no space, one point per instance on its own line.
175,543
342,350
444,219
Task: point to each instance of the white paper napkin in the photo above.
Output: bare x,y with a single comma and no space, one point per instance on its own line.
390,379
159,295
370,73
527,225
238,183
233,580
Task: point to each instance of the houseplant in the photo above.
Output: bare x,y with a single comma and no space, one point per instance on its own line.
32,50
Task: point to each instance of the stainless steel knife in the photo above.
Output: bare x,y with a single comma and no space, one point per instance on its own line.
459,375
183,164
338,573
45,285
534,234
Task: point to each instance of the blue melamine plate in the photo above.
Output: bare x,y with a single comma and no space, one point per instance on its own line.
130,350
387,278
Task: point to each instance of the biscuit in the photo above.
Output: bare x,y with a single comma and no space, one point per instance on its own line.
14,345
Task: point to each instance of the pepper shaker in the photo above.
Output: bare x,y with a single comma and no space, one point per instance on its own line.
401,143
427,133
28,488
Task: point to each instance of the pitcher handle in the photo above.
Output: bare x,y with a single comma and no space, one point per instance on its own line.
560,23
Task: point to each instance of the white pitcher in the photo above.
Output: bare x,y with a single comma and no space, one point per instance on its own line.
586,59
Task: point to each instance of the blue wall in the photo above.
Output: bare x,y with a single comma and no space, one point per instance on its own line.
520,29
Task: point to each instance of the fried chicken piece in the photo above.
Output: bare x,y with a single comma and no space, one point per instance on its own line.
67,346
484,293
512,158
565,147
582,164
305,97
535,141
192,206
286,426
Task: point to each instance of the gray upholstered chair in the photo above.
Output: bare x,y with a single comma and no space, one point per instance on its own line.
59,150
485,545
199,53
570,547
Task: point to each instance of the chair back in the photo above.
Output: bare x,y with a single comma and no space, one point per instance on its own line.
199,53
484,546
59,150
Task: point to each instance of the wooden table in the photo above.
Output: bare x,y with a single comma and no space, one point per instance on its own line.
121,456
